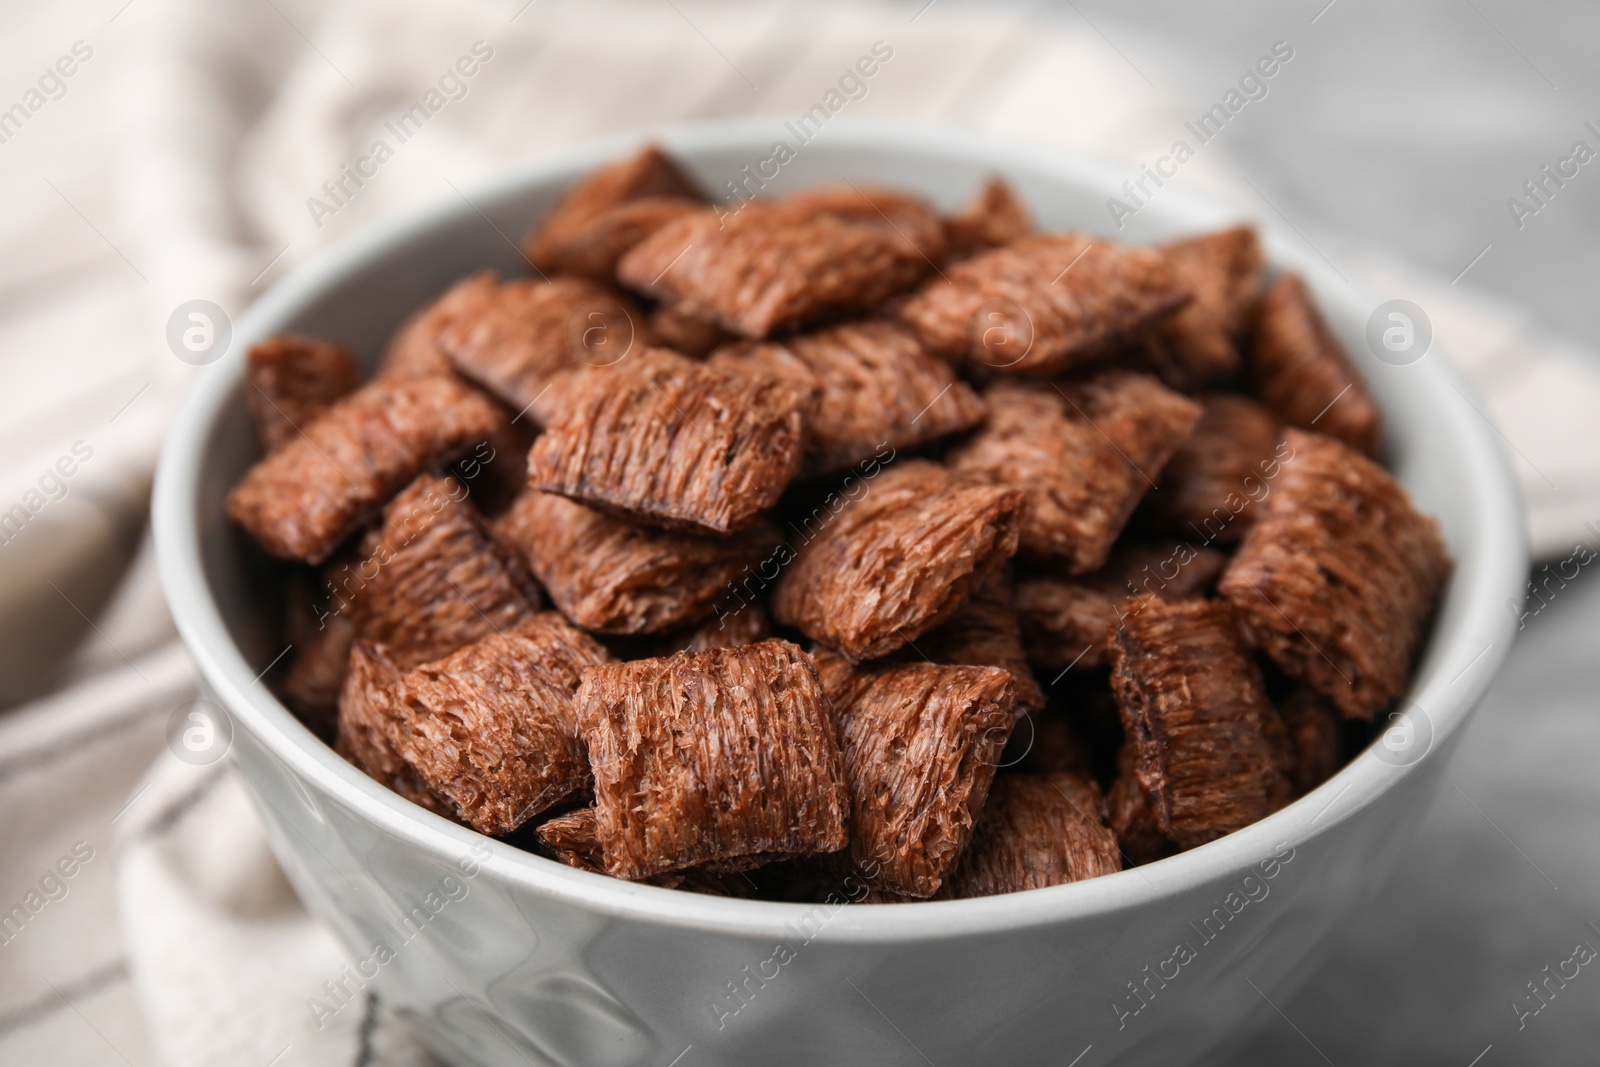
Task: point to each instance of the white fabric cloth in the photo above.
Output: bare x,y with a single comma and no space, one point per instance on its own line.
179,162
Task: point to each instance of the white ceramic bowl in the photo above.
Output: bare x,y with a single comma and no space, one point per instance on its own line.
517,960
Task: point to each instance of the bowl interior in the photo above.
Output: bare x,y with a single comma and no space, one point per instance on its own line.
224,592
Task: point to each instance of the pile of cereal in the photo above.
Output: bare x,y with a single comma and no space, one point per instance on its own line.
833,548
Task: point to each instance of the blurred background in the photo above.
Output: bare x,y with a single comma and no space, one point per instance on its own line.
154,152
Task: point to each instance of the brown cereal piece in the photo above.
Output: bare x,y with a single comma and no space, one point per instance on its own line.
769,267
1147,421
875,387
1065,619
1195,707
673,443
613,576
316,676
414,349
1197,343
290,380
1312,728
1132,818
1085,453
897,561
491,726
648,172
573,839
304,498
1339,576
778,360
910,218
345,577
994,216
678,328
921,743
593,248
1209,486
712,756
1036,830
440,581
514,337
366,724
608,211
1042,304
1304,375
984,633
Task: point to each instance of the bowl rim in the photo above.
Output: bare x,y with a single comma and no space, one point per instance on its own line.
1480,594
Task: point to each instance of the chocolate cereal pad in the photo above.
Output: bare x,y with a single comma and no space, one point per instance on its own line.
1311,727
710,756
610,575
1132,819
313,491
366,727
1198,344
666,441
413,350
909,218
899,560
1036,830
1303,374
921,743
440,581
513,338
1195,708
1339,576
605,214
491,727
573,839
995,216
1084,454
1208,489
290,380
1043,304
768,267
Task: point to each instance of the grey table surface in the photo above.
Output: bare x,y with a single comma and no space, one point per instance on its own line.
1409,127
